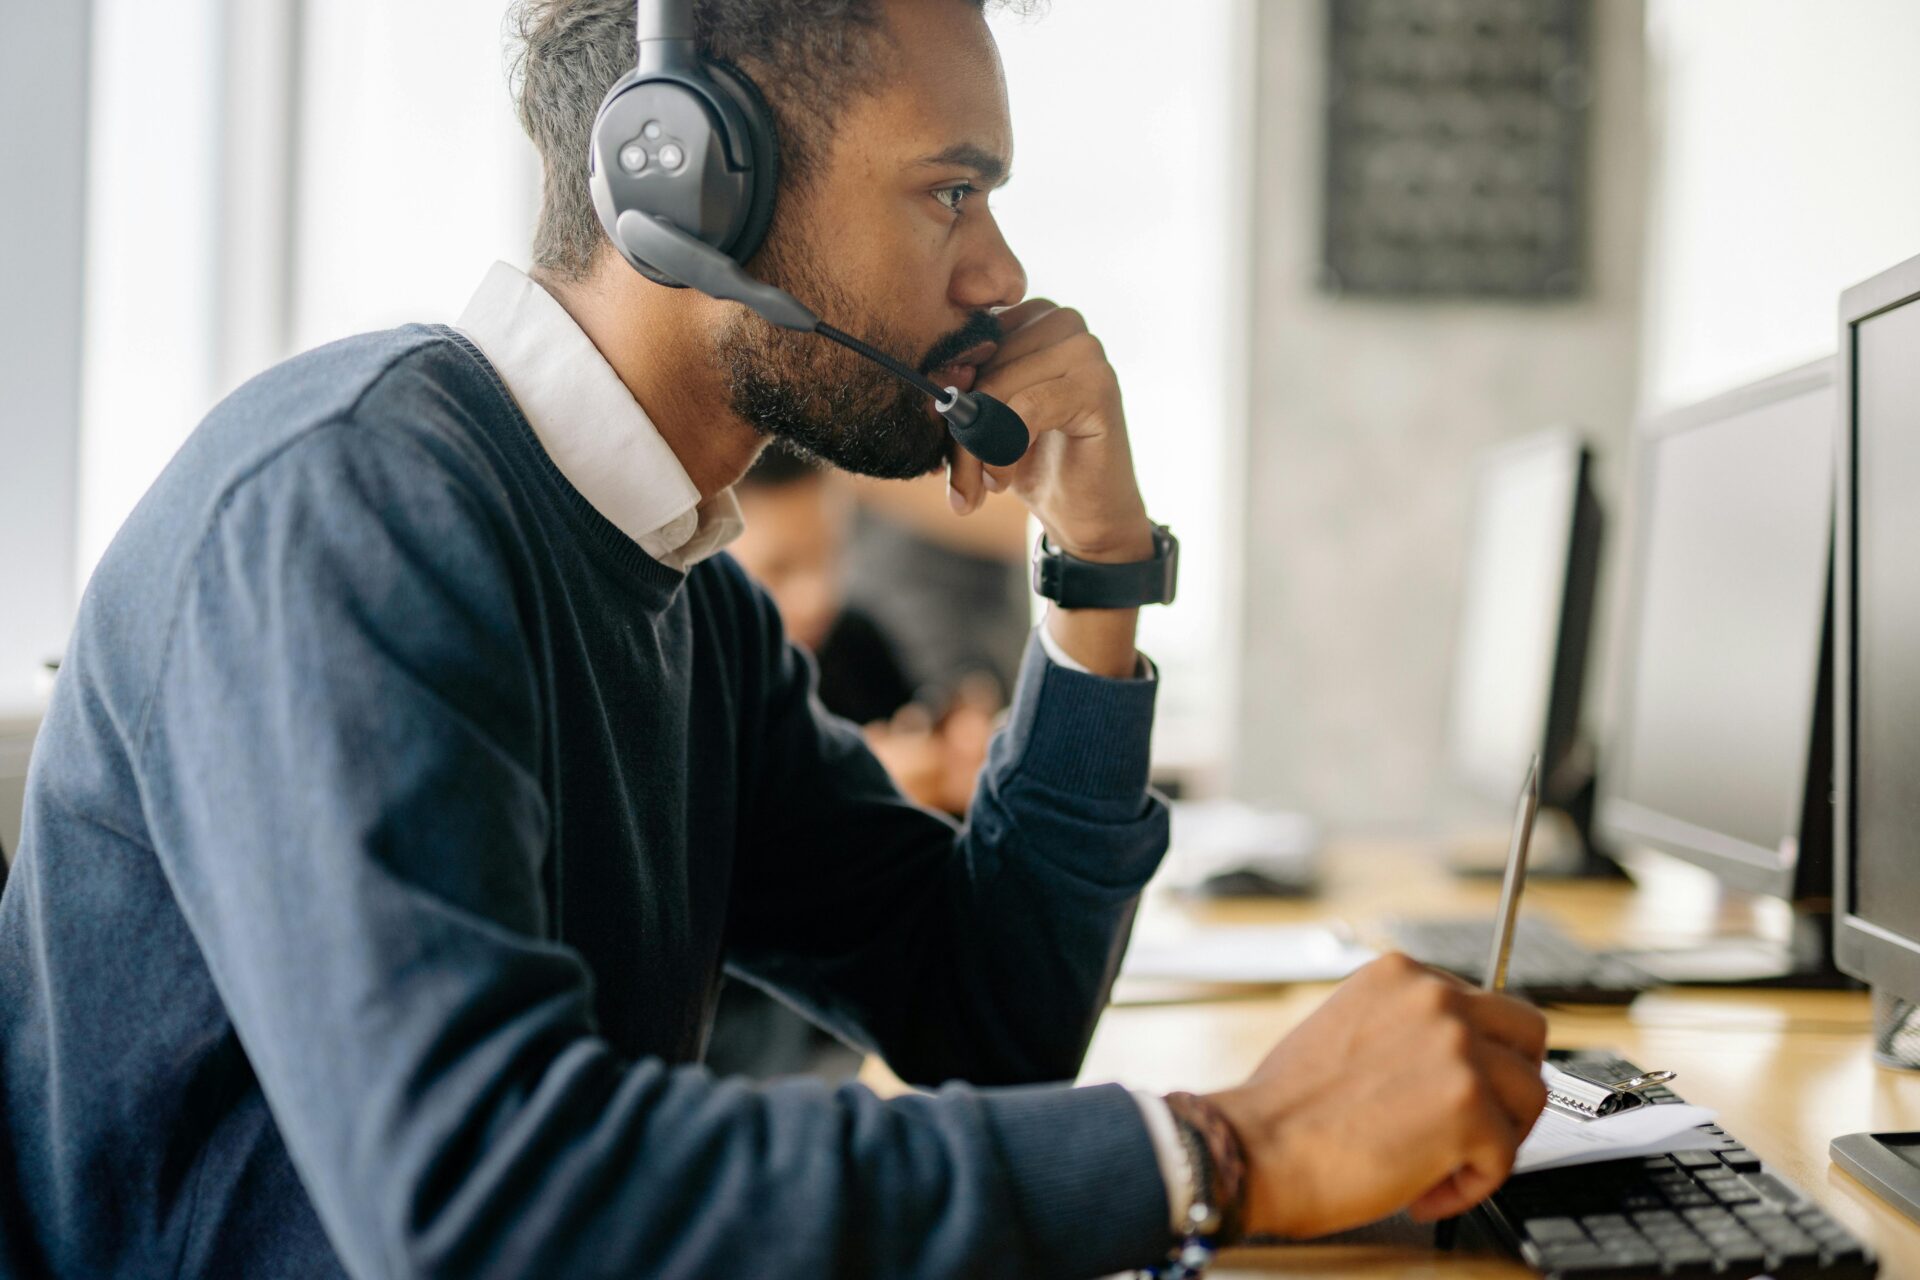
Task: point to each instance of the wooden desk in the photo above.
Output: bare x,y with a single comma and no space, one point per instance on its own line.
1787,1071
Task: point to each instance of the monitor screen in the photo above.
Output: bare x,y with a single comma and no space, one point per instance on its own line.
1517,554
1886,618
1722,664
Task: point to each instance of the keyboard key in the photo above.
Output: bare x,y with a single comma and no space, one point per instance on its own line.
1553,1230
1735,1256
1682,1252
1634,1253
1740,1158
1773,1190
1696,1159
1566,1257
1789,1241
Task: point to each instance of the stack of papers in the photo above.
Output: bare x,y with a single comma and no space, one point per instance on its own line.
1247,953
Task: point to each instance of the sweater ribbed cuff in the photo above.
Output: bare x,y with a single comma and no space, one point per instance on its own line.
1082,734
1084,1177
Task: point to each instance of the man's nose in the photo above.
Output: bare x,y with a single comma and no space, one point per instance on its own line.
991,276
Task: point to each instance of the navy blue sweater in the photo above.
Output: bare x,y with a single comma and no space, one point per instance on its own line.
393,821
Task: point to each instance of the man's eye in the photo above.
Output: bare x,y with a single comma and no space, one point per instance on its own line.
954,197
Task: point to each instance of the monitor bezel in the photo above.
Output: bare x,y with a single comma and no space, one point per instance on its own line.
1627,824
1874,954
1558,730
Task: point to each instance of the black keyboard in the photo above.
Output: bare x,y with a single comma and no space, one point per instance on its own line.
1717,1212
1545,965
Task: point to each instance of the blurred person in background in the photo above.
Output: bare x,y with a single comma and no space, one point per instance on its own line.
952,593
931,726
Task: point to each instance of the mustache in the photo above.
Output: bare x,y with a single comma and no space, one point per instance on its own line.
981,326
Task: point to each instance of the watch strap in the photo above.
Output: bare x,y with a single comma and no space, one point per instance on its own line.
1073,583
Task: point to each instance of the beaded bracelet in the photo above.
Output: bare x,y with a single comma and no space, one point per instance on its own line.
1216,1207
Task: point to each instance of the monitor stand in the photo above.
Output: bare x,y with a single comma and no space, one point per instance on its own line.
1803,962
1563,845
1889,1163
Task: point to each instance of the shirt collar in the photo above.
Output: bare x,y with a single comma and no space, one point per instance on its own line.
591,426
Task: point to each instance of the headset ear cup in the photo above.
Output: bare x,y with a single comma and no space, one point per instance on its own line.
762,144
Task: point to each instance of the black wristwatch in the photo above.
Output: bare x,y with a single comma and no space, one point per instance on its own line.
1082,584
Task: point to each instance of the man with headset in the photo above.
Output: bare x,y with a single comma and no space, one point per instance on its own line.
418,765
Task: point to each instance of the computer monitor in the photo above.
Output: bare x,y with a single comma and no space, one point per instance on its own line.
1720,751
1533,555
1877,674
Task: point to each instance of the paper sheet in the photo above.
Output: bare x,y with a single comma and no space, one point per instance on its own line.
1559,1140
1247,953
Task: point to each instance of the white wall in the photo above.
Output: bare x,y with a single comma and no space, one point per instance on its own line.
152,225
1129,203
1787,167
276,189
414,173
43,132
1366,418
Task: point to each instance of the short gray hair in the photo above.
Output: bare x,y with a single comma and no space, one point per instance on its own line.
808,58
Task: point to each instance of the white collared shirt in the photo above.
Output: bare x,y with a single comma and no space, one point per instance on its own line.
591,426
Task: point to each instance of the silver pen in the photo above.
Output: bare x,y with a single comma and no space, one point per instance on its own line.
1514,881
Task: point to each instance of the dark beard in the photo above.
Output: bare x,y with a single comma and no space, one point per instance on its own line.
825,400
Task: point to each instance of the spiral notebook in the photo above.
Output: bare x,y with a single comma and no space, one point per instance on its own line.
1573,1130
1585,1099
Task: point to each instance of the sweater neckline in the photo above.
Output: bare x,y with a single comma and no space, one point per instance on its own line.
598,533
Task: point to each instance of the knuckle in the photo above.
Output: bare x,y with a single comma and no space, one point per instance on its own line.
1463,1091
1089,347
1396,964
1436,997
1071,317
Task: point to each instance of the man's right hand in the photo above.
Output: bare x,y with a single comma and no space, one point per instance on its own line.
1407,1089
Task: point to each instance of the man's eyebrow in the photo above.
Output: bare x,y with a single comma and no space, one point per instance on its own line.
991,168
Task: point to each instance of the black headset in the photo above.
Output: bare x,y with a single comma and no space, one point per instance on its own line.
683,166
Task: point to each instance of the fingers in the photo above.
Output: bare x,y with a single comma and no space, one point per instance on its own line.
1515,1084
1018,317
1514,1023
1058,404
1463,1189
966,483
1008,373
1489,1141
1035,324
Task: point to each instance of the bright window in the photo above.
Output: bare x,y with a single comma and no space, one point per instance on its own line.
1127,203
